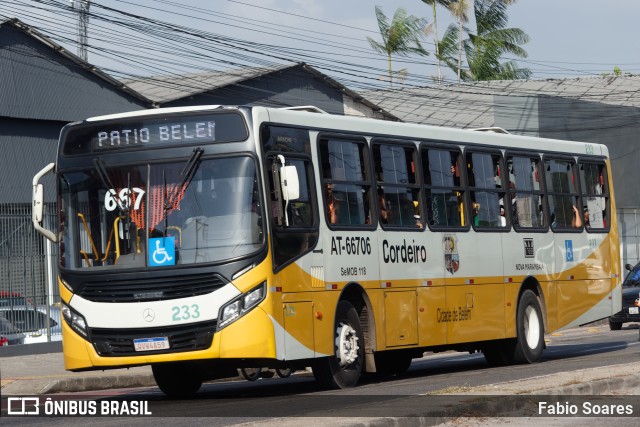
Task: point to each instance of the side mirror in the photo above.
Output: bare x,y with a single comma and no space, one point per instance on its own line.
290,183
628,267
37,205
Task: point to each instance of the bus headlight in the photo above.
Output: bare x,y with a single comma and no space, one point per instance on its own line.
232,311
75,320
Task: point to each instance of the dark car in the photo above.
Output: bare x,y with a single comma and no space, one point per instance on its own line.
630,300
10,299
9,335
34,322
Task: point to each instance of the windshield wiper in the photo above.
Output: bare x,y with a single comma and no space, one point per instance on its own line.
186,174
106,181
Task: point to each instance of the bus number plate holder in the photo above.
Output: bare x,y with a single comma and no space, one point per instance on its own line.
150,344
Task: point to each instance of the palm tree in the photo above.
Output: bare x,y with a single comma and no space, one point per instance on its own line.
459,10
492,41
433,3
484,48
401,36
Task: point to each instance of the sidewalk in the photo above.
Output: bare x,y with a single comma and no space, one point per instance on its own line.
44,373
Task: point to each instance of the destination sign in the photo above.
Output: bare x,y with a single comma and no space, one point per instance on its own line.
173,130
140,132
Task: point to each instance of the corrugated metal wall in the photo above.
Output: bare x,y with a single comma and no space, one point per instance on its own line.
36,82
291,87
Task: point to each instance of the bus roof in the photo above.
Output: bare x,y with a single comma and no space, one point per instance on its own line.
370,126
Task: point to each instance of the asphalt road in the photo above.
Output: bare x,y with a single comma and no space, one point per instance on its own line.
438,380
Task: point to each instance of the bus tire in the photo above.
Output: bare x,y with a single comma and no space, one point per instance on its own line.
615,326
343,369
251,374
176,380
284,372
529,329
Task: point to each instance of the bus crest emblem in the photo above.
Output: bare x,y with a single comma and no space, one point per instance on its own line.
451,256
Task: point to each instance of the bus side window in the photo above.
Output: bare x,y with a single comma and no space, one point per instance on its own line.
562,194
345,174
525,195
444,190
397,187
486,188
595,195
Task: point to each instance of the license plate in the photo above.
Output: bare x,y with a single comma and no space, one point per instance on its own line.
633,310
150,344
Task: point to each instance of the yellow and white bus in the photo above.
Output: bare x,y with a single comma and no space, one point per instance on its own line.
201,239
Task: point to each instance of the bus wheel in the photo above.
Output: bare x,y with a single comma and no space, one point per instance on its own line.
343,370
530,329
284,373
615,326
251,374
176,380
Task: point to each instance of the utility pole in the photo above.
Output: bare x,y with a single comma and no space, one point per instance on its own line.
82,6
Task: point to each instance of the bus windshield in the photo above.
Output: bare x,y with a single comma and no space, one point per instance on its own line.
156,215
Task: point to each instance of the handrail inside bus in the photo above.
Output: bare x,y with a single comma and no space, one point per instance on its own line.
115,237
93,245
106,251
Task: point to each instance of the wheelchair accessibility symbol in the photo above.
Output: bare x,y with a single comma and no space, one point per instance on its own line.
162,251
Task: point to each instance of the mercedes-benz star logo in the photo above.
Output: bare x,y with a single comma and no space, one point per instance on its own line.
148,315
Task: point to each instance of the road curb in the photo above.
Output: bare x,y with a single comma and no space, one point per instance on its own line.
73,385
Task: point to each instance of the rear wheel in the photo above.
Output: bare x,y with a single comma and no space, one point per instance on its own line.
251,374
343,369
530,329
177,380
284,372
615,326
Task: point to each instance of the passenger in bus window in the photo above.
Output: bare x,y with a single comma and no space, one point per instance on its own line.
515,218
416,213
384,214
455,173
503,219
587,223
331,205
576,221
475,209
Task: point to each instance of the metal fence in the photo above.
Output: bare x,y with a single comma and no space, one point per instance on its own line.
28,273
629,226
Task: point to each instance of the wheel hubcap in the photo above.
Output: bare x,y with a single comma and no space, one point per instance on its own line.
531,327
346,345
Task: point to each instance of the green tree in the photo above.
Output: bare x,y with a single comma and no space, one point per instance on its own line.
485,47
459,9
401,36
433,4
